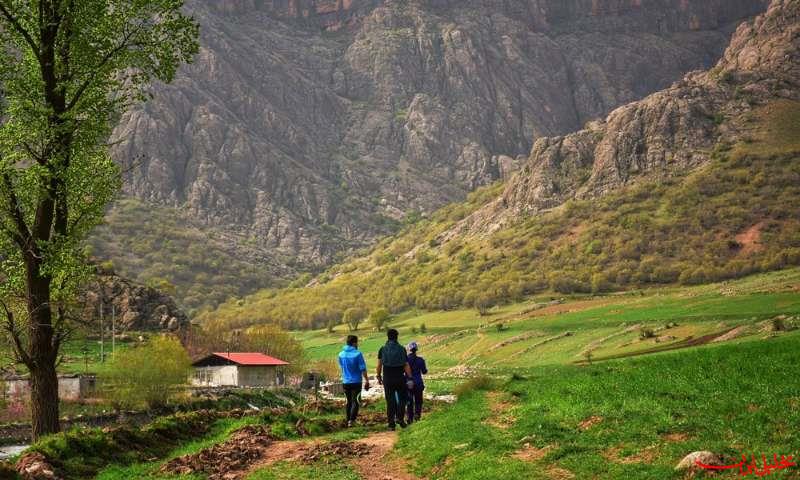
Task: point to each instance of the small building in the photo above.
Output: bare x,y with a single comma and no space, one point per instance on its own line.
238,370
70,387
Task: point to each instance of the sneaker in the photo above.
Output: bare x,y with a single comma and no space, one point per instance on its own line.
402,424
349,423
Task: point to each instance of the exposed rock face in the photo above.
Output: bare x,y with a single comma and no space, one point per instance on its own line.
135,307
665,134
309,141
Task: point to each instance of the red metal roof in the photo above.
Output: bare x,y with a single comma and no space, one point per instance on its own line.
251,358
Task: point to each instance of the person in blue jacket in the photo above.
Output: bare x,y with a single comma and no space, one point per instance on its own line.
353,366
418,368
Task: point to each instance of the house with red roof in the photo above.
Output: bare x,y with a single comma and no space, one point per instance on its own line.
238,369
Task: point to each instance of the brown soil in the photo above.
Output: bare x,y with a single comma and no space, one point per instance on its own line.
500,406
750,239
529,453
590,422
379,463
229,460
647,455
735,333
558,473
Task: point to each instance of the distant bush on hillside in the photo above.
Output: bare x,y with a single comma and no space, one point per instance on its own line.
157,246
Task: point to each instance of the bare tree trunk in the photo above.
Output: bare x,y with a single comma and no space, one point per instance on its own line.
44,401
43,351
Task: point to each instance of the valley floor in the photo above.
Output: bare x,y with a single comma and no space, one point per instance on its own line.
548,389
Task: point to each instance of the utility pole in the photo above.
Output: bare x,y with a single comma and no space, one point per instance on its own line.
113,329
102,345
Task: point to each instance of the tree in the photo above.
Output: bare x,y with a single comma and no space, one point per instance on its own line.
272,340
379,318
353,317
68,69
147,374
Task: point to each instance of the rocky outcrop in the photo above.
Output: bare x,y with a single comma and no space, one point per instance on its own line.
305,141
667,133
135,307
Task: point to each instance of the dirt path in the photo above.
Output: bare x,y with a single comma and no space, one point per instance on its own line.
370,457
379,463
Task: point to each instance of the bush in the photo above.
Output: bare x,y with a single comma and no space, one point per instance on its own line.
646,333
475,384
146,375
353,317
379,318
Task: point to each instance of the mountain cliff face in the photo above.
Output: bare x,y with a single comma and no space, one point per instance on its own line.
667,133
697,183
310,127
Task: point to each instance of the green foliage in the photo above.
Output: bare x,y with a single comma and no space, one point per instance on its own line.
353,317
272,340
162,247
148,374
379,318
477,383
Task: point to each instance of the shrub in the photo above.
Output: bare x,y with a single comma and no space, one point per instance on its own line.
646,333
474,384
353,317
379,318
149,374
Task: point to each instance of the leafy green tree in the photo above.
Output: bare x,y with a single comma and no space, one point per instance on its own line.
68,69
272,340
146,375
379,318
353,317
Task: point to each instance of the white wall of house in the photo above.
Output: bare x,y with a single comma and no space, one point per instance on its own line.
235,376
70,387
222,376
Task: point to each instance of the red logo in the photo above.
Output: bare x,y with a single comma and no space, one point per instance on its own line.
752,468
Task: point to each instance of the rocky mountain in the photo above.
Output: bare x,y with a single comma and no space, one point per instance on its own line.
697,183
135,307
311,127
664,135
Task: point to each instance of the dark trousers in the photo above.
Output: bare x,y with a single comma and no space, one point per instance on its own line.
352,391
415,403
395,391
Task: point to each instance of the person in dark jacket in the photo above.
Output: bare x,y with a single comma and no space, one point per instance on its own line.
392,371
353,366
418,369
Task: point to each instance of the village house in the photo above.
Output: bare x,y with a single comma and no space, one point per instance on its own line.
238,370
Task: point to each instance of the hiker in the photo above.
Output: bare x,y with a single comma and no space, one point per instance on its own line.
393,369
418,368
353,366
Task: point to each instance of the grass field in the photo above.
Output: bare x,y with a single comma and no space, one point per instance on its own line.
622,419
534,333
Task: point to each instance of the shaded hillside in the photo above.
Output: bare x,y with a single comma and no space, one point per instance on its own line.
702,184
309,128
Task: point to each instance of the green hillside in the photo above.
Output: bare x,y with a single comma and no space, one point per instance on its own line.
542,332
158,246
738,215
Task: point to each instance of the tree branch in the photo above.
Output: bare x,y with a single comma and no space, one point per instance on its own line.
23,234
106,58
13,331
19,28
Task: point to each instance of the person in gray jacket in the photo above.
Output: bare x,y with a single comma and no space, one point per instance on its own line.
393,369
